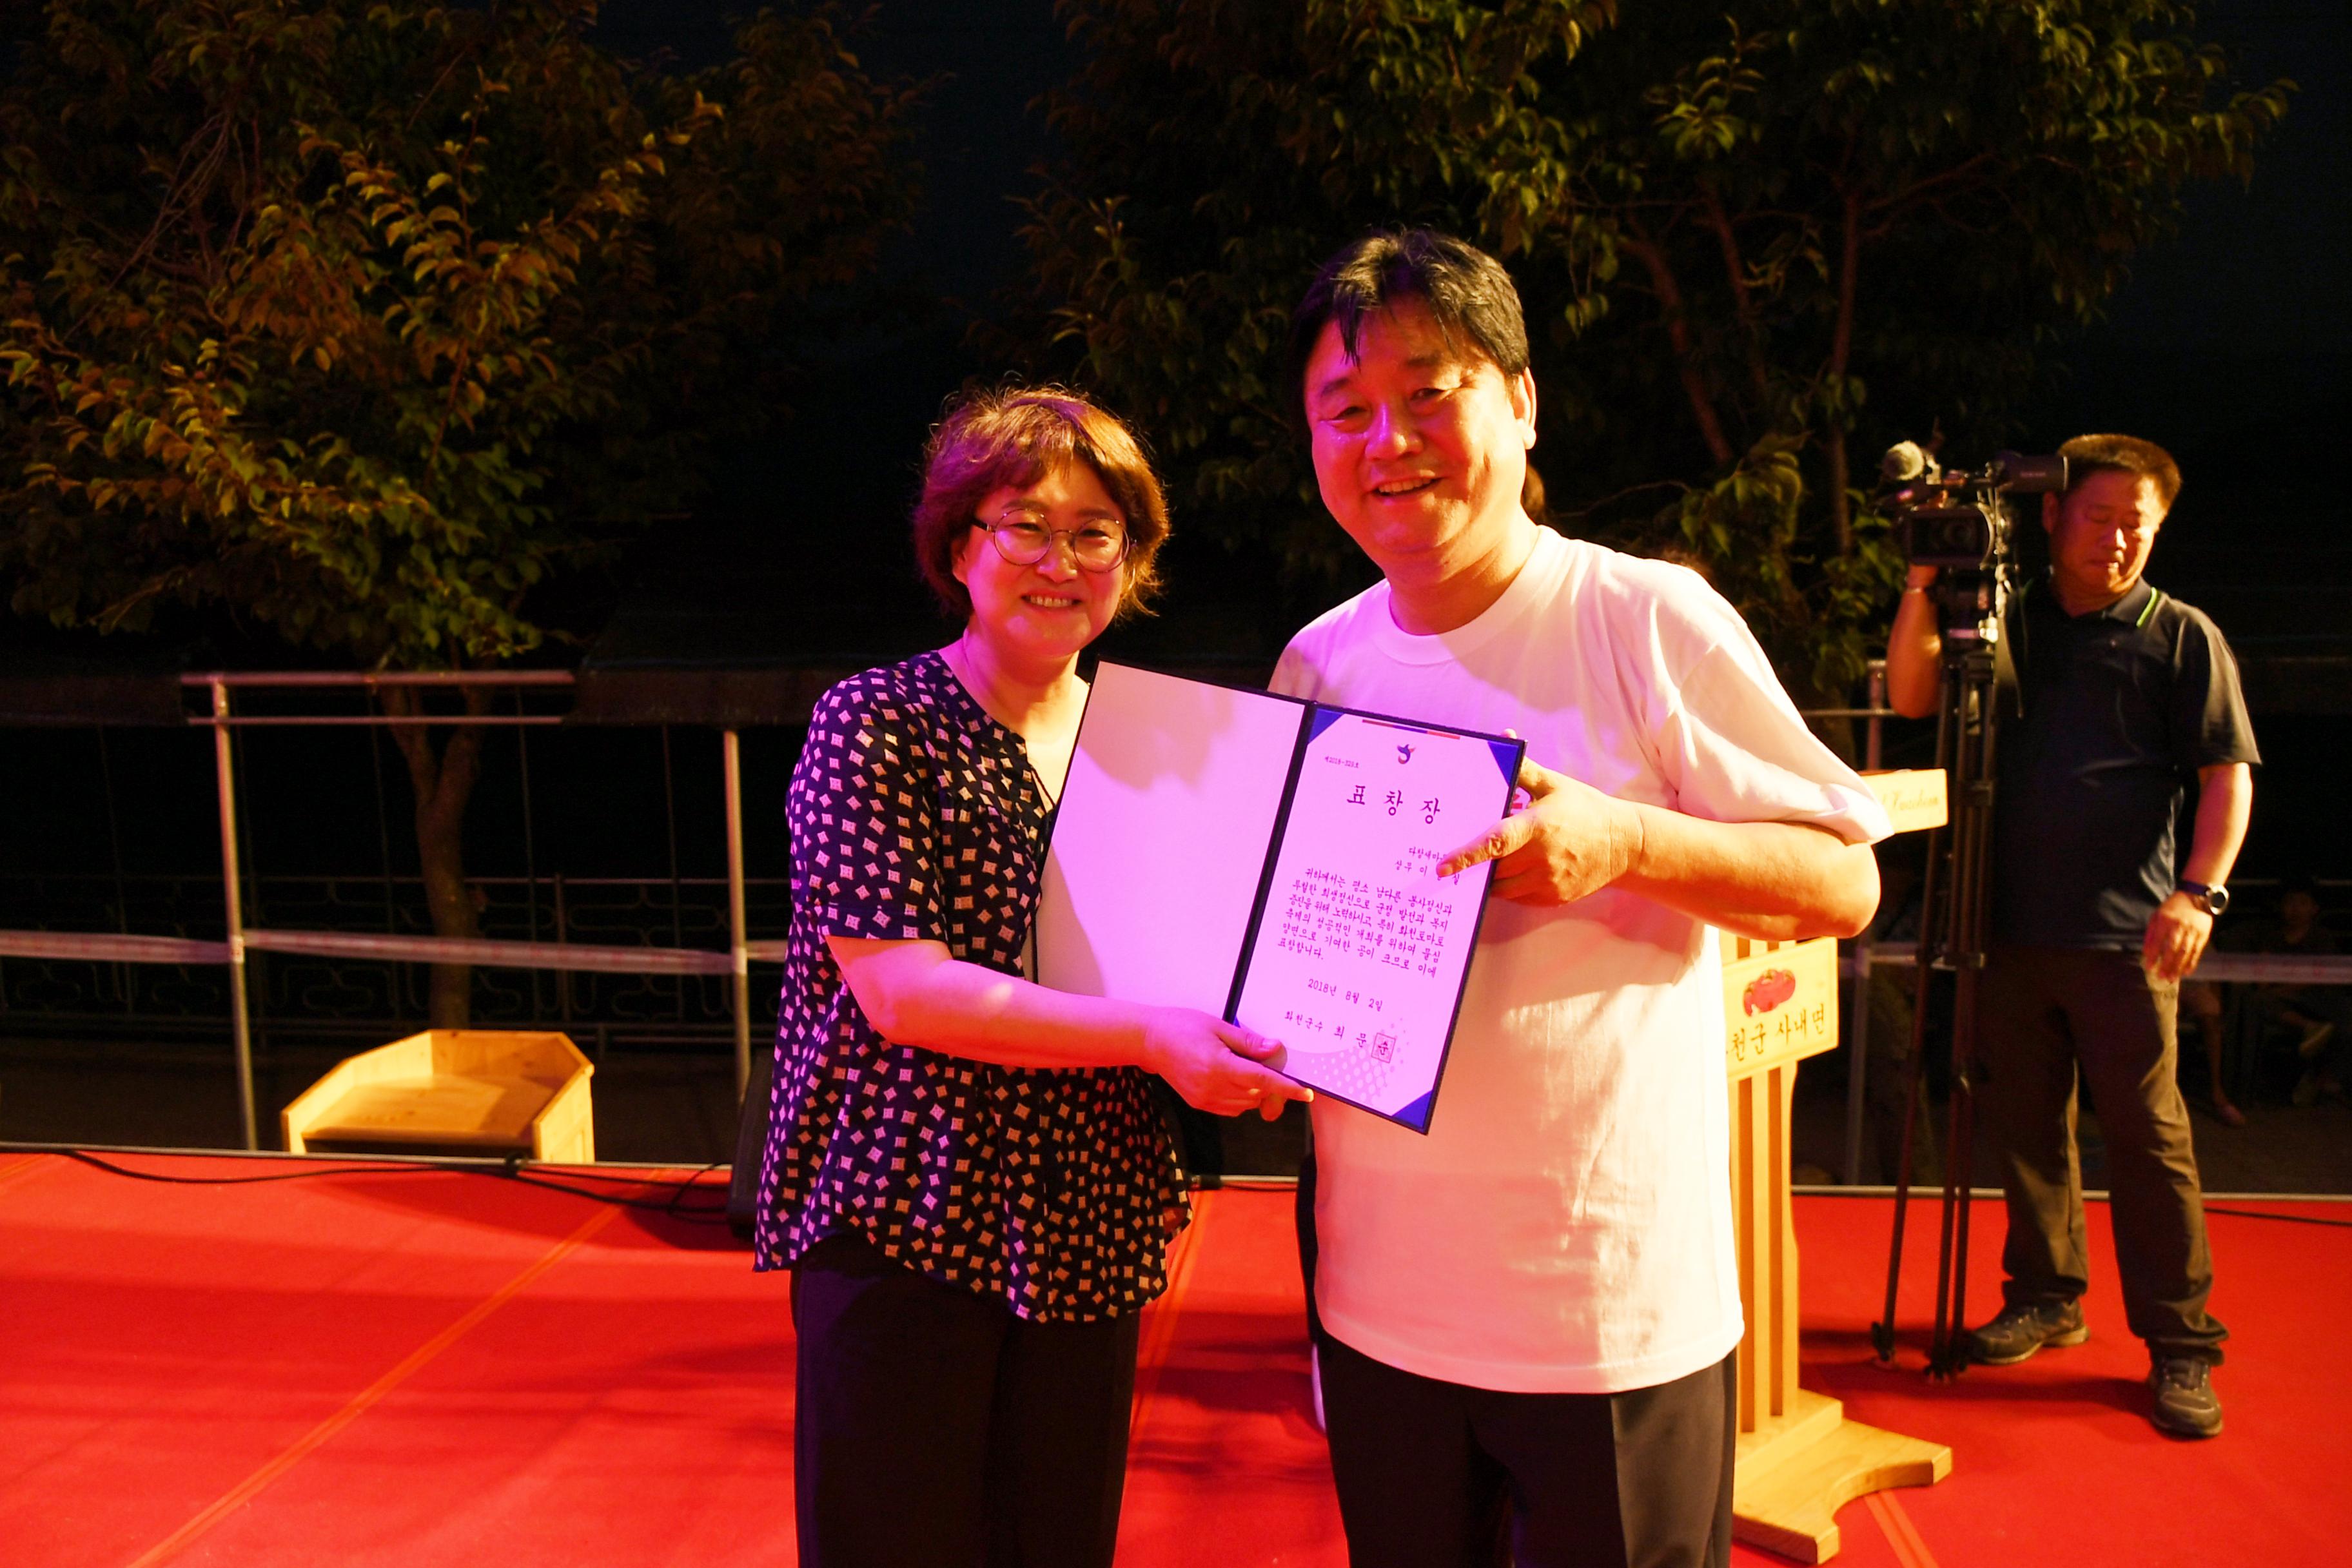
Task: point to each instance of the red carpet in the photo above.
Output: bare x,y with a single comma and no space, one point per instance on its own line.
429,1368
2053,1460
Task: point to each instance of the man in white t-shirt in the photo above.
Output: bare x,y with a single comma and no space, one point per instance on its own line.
1537,1300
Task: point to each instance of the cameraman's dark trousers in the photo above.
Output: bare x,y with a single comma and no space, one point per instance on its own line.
2052,1019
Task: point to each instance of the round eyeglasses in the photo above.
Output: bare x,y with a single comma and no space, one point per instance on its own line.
1094,546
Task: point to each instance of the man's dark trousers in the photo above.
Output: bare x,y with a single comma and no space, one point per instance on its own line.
2048,1016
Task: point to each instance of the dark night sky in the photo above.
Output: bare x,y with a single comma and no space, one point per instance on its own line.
2232,342
2238,330
2261,268
988,61
2232,346
2264,267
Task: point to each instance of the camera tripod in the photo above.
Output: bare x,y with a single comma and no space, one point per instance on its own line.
1975,681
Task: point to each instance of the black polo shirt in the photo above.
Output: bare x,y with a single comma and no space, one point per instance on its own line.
2122,707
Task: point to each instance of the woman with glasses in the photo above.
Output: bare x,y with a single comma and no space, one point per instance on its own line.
965,1170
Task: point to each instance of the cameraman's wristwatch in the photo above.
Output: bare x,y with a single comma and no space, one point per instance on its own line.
2212,899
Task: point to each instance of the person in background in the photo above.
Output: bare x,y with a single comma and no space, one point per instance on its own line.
2127,695
966,1171
2318,1016
2200,1003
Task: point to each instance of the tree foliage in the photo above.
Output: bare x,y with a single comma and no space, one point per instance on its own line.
1754,237
364,320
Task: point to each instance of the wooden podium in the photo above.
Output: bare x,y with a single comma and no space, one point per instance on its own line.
1800,1459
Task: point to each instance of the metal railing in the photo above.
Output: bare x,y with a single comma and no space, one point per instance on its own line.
563,955
241,939
580,912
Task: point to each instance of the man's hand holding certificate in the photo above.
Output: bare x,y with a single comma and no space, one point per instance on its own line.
1279,863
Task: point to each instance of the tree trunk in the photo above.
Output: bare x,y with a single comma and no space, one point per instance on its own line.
1841,502
1752,336
1841,352
442,779
1673,310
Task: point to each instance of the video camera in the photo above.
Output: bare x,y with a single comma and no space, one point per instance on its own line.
1959,521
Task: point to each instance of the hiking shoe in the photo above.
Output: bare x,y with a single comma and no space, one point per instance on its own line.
2186,1404
2019,1331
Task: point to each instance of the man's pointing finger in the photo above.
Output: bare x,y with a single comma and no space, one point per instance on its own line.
1493,845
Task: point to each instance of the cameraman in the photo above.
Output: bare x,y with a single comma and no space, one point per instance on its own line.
2125,691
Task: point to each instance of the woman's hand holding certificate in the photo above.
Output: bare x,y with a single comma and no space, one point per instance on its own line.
1196,1054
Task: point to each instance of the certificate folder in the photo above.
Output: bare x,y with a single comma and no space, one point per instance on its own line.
1272,861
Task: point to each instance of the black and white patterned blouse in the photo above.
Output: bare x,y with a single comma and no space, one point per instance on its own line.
915,815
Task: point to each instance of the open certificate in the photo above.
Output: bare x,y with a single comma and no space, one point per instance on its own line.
1272,861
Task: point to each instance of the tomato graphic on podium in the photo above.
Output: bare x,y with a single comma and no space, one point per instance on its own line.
1767,991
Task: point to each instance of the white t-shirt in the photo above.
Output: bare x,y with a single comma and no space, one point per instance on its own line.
1565,1226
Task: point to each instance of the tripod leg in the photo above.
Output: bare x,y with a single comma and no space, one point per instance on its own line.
1963,1151
1972,839
1882,1333
1943,1357
1951,1244
1935,929
1961,1154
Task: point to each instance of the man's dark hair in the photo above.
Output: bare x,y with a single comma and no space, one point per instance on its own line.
2088,455
1465,291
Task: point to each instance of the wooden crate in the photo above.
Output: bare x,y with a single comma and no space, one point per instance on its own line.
496,1090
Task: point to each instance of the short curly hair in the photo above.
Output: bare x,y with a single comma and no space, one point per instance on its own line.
1016,435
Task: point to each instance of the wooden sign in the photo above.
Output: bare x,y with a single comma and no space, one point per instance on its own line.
1780,1006
1914,797
1800,1459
